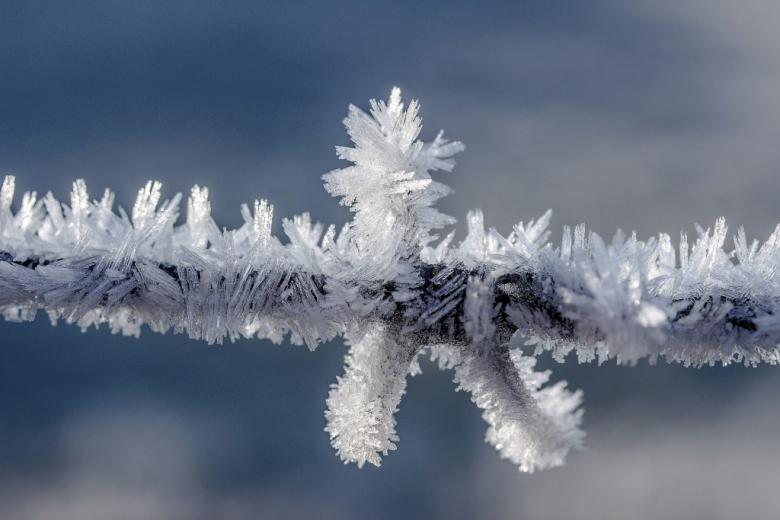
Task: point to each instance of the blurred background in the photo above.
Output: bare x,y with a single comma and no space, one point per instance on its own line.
646,117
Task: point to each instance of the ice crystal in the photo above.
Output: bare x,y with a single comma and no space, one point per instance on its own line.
361,405
484,307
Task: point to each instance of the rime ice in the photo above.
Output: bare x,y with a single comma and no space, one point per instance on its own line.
484,307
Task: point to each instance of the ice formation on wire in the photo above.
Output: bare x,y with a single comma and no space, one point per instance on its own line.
386,283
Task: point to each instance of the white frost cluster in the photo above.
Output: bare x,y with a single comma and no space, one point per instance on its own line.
389,187
363,401
484,307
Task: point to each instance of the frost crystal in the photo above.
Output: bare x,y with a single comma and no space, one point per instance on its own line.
389,187
362,403
484,308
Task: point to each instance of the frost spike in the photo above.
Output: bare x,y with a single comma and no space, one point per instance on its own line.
199,217
7,193
362,403
533,426
263,220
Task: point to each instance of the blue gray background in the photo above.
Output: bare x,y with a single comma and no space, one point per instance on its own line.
646,116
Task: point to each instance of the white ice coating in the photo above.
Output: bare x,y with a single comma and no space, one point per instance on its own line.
484,307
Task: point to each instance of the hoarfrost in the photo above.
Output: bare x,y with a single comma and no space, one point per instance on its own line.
484,307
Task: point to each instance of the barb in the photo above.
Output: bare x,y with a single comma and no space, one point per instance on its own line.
484,307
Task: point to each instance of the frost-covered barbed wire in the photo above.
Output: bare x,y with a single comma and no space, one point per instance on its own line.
485,307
